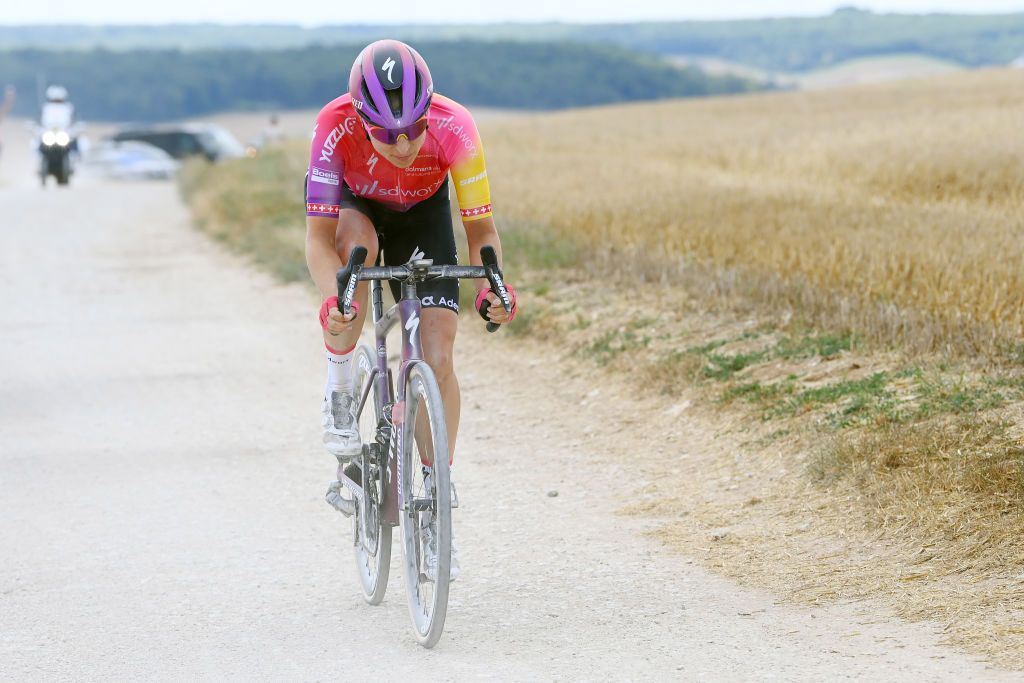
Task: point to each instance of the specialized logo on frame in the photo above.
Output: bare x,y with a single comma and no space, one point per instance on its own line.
412,324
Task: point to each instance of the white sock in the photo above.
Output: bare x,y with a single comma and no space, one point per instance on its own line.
339,372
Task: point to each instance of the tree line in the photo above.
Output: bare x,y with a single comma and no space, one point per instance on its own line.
785,44
155,85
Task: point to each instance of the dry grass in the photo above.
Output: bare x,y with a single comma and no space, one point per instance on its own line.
943,546
254,206
896,211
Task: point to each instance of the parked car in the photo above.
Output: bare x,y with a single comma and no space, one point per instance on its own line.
185,140
131,159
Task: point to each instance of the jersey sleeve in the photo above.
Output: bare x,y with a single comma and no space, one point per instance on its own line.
326,168
469,172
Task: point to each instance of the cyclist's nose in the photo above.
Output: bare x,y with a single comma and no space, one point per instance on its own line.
403,146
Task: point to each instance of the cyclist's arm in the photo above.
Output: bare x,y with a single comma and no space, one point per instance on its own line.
323,195
469,175
321,256
480,233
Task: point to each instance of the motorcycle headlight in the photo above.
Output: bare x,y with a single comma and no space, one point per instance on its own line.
49,138
63,139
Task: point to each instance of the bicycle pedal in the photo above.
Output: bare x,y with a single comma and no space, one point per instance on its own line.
337,501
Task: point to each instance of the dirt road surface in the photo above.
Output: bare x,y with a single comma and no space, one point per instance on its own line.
162,511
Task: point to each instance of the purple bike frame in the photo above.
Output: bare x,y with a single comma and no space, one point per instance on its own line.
407,312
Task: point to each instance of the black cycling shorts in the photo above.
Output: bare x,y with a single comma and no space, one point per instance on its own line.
424,231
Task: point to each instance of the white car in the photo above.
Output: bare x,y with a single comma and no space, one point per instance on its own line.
131,159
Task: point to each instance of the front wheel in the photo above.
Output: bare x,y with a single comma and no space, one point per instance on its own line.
426,516
371,537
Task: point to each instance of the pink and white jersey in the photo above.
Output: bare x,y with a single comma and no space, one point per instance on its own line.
342,153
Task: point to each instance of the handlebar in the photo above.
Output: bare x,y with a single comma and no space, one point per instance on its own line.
354,271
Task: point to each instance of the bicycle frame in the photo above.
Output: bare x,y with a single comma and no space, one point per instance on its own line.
395,431
392,433
407,312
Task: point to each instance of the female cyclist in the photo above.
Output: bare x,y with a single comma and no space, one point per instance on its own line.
378,177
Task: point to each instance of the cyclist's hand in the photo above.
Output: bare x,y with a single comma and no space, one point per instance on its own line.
488,305
331,319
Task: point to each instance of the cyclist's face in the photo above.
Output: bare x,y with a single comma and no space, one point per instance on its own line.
402,153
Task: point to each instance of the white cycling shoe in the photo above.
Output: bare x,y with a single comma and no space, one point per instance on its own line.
341,432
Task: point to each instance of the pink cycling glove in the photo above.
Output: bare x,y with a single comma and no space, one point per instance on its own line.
482,304
332,302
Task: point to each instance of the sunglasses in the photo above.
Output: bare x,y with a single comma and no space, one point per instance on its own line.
390,136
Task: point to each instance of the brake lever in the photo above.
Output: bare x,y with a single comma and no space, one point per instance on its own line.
496,280
348,279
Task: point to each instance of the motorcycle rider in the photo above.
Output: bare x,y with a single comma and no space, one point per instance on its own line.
58,112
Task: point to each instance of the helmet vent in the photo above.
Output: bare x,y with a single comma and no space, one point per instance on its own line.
395,102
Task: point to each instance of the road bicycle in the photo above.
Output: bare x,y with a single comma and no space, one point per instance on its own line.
403,434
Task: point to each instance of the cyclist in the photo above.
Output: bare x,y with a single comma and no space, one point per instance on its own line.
378,177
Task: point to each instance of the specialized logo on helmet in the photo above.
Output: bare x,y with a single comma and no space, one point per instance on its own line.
389,69
388,65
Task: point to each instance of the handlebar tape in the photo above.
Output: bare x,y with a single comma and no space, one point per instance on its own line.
496,280
348,279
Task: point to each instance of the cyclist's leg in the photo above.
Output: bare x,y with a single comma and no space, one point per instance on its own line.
437,333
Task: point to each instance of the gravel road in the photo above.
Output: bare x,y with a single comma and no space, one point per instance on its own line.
162,494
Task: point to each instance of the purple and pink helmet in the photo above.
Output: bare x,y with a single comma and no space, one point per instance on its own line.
391,89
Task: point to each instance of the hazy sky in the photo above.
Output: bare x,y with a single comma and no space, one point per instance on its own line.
315,12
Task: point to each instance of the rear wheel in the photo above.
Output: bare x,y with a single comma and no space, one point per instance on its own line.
426,517
371,538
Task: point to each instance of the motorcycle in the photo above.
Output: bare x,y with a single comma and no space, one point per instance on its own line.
57,151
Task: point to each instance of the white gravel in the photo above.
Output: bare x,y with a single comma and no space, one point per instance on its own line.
162,511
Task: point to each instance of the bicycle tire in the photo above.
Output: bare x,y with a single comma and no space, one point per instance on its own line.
373,569
428,600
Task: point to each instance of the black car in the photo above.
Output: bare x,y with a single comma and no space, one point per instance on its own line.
181,141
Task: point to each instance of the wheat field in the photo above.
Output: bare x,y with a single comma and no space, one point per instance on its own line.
894,211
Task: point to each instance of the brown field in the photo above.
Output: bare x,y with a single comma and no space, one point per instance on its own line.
891,217
894,211
832,280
